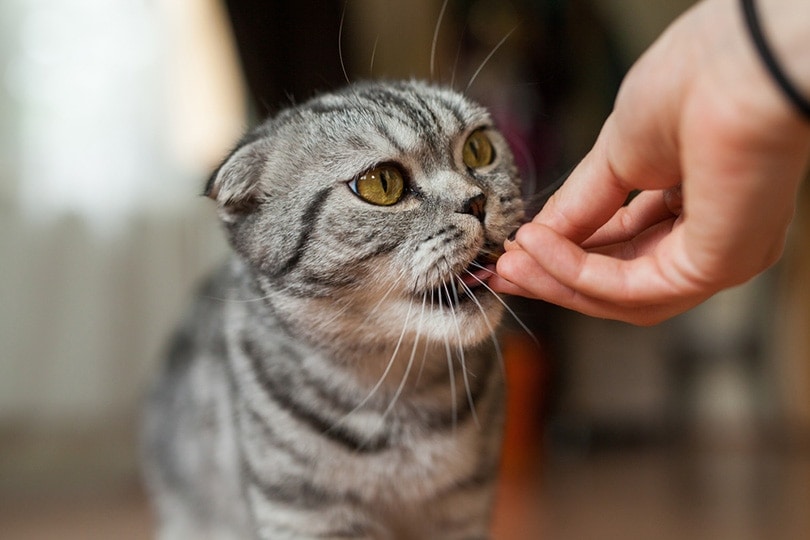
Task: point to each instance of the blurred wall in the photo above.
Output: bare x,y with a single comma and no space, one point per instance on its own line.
112,114
791,347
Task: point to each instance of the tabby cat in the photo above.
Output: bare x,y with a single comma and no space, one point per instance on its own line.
339,378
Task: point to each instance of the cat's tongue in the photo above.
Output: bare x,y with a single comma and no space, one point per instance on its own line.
475,277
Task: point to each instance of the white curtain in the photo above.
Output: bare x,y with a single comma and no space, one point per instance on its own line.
112,115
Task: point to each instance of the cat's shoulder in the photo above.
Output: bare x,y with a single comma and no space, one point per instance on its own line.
202,326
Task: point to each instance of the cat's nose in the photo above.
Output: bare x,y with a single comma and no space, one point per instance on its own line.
475,206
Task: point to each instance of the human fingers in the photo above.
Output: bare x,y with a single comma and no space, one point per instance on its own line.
519,266
591,274
646,210
637,148
650,278
632,152
588,198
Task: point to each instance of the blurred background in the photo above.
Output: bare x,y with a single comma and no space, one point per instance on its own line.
113,113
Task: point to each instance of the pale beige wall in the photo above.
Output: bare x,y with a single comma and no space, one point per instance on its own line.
637,23
792,347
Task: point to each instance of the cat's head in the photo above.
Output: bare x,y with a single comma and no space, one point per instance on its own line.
375,212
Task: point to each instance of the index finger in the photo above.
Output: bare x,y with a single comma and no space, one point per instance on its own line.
601,284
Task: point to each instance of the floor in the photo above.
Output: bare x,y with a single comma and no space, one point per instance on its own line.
659,494
663,494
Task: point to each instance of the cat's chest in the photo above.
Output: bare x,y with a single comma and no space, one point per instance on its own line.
413,470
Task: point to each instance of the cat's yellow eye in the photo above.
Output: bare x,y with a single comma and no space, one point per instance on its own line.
478,150
383,185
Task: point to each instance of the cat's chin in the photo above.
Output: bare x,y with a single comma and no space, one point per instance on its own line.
466,322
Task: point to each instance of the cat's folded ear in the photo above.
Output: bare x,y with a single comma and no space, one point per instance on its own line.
236,184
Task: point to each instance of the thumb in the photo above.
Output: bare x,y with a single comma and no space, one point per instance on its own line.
588,198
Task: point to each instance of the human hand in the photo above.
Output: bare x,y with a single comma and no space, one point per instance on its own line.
718,153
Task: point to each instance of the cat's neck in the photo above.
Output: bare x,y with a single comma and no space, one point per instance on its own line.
409,366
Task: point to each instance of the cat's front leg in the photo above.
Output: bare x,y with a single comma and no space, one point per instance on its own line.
296,513
463,512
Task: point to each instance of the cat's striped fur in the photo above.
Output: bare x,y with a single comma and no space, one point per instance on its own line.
340,378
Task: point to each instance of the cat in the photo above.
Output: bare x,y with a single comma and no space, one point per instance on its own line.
339,377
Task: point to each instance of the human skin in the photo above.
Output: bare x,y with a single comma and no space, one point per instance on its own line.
718,152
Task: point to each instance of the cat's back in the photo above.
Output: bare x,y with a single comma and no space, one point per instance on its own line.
187,429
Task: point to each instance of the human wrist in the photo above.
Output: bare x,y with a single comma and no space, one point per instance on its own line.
786,24
742,83
779,30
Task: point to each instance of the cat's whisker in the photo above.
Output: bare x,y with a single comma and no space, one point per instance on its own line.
492,333
436,39
385,372
424,355
508,309
340,42
240,300
373,55
394,283
462,359
246,300
487,59
545,194
529,180
458,55
404,381
225,299
481,266
450,369
338,314
534,201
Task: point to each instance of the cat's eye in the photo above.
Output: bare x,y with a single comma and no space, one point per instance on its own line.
478,150
383,185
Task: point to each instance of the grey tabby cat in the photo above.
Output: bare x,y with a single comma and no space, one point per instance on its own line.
340,378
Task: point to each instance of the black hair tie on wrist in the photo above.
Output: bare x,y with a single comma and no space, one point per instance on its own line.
758,37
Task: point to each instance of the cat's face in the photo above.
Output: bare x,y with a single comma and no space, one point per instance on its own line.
375,213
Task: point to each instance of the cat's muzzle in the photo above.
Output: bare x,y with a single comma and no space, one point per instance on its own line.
460,287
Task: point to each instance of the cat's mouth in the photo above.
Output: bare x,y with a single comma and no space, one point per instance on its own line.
460,287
